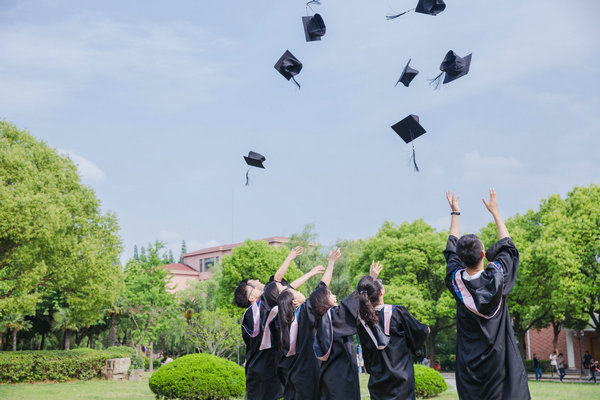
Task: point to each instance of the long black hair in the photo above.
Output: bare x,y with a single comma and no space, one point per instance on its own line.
286,316
368,296
319,301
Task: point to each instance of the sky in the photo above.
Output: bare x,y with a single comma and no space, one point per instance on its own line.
158,101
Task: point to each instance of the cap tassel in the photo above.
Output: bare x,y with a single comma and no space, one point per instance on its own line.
247,177
296,82
437,81
388,17
413,158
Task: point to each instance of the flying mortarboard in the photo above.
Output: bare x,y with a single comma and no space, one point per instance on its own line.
314,27
289,66
454,66
430,7
254,160
409,129
408,74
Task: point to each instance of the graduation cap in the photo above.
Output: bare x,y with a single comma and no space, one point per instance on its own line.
314,27
454,66
254,160
409,129
289,66
430,7
408,74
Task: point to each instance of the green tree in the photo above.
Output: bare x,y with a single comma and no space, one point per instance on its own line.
64,322
15,323
215,332
146,299
183,251
52,232
413,273
252,260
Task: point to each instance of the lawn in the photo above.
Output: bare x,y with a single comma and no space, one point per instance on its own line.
101,390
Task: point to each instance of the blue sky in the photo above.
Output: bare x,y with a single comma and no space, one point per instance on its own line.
158,101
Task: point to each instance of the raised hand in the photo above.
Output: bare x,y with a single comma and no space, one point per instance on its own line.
376,268
295,252
335,254
319,269
492,205
453,201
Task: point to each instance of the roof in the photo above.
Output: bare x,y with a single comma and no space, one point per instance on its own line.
178,267
227,247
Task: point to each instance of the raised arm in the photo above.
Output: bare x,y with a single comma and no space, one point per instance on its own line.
455,212
333,257
492,207
295,252
300,281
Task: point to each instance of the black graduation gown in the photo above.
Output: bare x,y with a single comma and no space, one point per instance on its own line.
488,363
392,375
262,382
338,375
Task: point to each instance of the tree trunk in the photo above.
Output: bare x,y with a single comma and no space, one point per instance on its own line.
67,340
14,337
556,331
113,328
521,336
151,363
430,342
43,341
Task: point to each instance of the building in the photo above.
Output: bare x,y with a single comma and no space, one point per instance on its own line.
197,265
570,342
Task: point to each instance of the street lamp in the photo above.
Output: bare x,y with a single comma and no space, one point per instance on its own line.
579,336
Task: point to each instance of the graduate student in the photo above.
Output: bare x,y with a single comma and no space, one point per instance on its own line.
296,322
261,366
388,334
488,364
335,326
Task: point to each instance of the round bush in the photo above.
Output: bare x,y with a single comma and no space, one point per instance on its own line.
199,377
428,382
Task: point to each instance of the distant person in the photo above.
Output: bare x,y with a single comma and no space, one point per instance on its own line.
593,370
488,362
560,364
587,361
437,365
537,367
167,360
553,366
426,361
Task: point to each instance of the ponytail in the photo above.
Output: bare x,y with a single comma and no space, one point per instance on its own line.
286,316
368,295
319,301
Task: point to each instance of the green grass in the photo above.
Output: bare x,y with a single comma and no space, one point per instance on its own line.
109,390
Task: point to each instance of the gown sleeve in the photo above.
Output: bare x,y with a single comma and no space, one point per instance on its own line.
345,315
452,262
505,253
415,332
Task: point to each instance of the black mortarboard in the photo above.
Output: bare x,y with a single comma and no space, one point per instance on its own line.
454,66
409,129
314,27
255,159
289,66
408,74
430,7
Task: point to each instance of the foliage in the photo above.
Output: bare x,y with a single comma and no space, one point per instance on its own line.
252,260
428,382
214,332
155,363
413,273
54,365
199,376
52,232
545,364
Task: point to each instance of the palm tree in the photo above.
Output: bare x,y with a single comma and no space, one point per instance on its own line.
16,322
114,311
63,321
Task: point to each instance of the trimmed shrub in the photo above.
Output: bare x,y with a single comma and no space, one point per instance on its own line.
53,365
155,363
428,382
121,351
545,364
200,377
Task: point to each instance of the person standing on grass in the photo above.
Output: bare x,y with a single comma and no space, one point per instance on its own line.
488,363
553,365
537,367
560,364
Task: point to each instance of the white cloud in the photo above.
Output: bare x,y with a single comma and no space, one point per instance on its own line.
88,171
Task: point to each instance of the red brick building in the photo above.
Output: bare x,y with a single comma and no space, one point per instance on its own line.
569,341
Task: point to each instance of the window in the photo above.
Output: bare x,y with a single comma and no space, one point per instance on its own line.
217,259
208,263
200,265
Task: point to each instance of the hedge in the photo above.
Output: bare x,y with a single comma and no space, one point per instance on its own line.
199,377
545,364
56,365
428,382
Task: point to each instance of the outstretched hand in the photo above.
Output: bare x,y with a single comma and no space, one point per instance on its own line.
453,201
295,252
492,205
376,268
319,269
335,254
